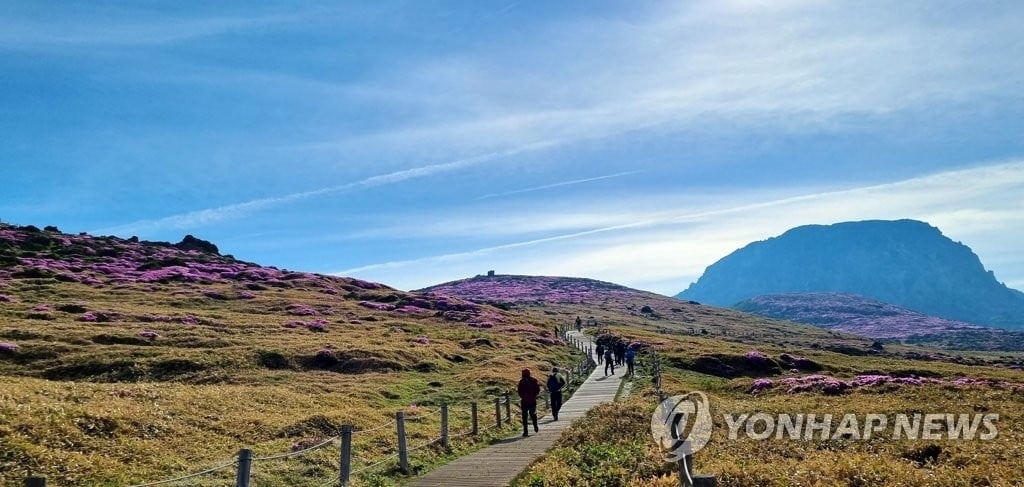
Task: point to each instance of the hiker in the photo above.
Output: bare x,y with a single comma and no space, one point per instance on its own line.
528,390
579,324
630,360
555,385
620,353
609,361
600,353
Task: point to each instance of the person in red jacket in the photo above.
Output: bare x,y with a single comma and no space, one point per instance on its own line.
528,390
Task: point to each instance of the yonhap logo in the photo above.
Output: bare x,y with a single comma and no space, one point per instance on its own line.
682,424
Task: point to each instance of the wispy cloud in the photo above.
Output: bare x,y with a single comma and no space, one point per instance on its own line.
106,29
237,210
667,248
558,185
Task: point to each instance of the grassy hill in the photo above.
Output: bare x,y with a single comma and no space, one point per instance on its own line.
124,361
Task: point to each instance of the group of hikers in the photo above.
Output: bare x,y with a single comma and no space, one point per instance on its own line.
610,353
529,390
616,354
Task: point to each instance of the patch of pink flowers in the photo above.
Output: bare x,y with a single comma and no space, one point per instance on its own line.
8,347
760,385
319,325
89,317
300,310
756,356
41,307
149,334
377,306
831,385
6,299
422,340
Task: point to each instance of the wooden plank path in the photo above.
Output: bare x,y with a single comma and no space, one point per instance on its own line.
498,464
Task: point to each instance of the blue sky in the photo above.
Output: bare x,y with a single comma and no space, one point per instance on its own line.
414,142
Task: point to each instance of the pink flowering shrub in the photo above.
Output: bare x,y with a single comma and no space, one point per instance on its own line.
831,385
377,306
41,308
422,340
149,334
8,347
6,299
756,356
760,385
88,316
294,324
245,295
319,325
300,310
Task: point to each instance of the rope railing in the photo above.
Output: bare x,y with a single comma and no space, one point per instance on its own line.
502,417
189,476
379,427
297,453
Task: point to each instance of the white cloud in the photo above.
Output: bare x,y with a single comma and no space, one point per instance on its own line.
980,206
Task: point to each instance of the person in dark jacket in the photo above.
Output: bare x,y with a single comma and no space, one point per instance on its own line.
579,324
609,361
600,353
630,360
528,390
620,353
555,385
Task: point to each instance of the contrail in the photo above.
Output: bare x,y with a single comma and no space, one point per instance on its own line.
235,210
558,185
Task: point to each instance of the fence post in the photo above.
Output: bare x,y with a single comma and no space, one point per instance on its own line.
497,411
444,424
346,454
508,408
244,467
472,412
403,451
35,482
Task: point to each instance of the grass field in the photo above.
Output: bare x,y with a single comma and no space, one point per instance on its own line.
120,379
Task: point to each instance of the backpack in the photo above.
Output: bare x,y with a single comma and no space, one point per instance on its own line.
555,383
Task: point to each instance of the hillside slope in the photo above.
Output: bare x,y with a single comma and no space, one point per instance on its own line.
906,263
605,304
134,361
850,313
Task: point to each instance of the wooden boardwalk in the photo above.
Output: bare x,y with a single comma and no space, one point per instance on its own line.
498,464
